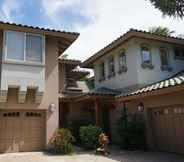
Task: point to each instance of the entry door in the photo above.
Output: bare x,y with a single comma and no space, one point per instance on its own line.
168,128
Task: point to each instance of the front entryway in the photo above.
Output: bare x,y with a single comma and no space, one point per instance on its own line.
22,130
168,128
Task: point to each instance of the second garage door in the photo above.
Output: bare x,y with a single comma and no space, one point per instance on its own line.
167,126
22,131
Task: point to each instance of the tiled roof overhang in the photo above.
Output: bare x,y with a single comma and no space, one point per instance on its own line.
174,83
46,31
65,39
69,61
132,33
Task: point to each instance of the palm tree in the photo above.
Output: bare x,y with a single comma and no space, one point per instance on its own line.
64,56
170,7
161,31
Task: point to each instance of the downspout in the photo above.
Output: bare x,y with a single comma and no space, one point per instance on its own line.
125,113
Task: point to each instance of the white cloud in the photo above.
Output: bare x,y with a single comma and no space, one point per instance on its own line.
110,20
53,9
8,10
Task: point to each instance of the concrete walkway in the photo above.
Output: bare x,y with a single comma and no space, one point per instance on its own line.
116,156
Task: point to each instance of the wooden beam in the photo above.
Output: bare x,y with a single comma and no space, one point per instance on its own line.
65,41
97,112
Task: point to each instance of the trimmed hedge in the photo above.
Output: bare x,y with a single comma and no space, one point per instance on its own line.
89,136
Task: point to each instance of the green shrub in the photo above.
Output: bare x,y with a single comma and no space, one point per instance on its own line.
62,142
89,136
74,127
132,133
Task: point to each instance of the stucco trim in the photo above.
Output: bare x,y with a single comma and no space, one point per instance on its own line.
3,96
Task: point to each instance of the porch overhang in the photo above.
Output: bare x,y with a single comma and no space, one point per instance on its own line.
83,97
163,91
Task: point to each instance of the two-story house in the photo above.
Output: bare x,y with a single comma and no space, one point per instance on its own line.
142,72
39,91
29,85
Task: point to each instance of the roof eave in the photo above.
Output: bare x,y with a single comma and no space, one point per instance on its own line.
69,61
46,31
165,90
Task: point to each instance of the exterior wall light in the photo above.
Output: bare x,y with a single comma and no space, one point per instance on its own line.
140,107
52,107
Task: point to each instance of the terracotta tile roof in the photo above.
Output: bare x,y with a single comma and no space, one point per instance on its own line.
69,61
128,35
104,91
176,80
39,28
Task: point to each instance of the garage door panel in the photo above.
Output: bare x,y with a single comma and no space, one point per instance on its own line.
23,131
168,128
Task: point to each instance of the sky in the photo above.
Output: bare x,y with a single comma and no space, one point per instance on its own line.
99,22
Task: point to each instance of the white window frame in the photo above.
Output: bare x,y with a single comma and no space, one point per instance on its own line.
102,71
167,55
180,58
122,53
24,61
150,56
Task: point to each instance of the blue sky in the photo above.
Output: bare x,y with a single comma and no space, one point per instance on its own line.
98,21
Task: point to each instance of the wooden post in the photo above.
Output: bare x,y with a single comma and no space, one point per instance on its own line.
97,112
125,114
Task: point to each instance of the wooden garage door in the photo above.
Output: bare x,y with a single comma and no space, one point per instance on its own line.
168,128
22,131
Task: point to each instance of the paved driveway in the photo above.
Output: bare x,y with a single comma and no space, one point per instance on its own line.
117,156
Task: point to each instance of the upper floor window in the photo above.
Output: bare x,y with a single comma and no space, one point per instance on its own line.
111,67
179,54
102,71
164,59
146,57
25,47
122,62
34,48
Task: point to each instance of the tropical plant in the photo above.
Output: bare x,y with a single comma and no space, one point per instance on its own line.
170,7
62,142
131,132
161,31
64,56
74,127
89,136
180,36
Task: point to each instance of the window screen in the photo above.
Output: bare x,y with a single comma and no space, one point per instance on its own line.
15,45
33,48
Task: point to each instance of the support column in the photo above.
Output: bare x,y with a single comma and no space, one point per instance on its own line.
97,112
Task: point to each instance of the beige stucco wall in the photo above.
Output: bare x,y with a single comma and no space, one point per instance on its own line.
50,93
120,80
169,99
62,77
81,111
136,75
146,76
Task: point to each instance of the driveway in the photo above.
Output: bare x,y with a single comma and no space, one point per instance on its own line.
116,156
